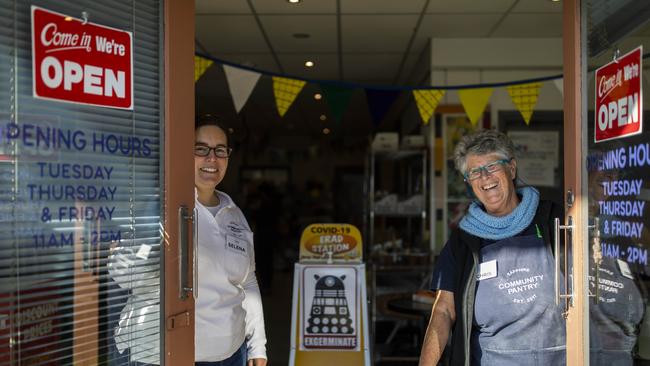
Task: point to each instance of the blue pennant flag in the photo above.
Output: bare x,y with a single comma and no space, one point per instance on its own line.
379,103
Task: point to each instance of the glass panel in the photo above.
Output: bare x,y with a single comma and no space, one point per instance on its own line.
80,193
618,181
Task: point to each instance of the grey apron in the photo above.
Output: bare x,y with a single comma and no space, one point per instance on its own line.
516,321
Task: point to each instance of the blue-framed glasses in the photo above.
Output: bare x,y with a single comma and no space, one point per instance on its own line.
489,169
220,151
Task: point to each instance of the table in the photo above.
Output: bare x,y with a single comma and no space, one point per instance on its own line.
406,305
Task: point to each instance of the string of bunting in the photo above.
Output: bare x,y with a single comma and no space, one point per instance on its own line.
474,98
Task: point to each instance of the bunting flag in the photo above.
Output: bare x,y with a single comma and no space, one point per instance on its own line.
285,91
379,102
337,99
524,96
241,83
427,101
474,101
200,65
559,84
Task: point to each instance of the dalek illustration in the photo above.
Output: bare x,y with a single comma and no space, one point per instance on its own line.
329,310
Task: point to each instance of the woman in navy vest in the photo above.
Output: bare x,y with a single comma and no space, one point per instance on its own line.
494,277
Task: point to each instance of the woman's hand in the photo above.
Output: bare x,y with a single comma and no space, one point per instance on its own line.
257,362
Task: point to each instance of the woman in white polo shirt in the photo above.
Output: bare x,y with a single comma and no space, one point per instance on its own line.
229,320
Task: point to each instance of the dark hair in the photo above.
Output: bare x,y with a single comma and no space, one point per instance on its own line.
212,120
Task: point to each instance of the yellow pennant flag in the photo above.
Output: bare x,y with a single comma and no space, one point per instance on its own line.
524,96
474,101
285,91
427,100
200,65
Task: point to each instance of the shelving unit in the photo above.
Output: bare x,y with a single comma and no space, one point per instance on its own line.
410,167
399,237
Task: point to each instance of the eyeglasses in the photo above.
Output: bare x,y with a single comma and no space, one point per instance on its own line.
220,151
489,169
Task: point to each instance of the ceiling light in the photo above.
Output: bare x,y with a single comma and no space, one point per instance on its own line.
326,131
555,1
323,117
309,63
294,1
318,96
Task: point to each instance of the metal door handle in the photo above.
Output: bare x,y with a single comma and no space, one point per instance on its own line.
568,296
597,257
195,253
183,247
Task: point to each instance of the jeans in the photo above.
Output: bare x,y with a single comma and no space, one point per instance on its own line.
239,358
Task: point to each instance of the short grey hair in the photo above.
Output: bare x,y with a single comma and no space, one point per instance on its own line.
480,143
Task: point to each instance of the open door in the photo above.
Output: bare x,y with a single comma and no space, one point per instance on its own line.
607,165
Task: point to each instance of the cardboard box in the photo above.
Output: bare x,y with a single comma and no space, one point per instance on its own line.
385,141
413,142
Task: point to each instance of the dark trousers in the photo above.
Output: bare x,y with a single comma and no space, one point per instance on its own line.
239,358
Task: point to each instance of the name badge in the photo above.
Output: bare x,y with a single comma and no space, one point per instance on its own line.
625,269
236,245
487,270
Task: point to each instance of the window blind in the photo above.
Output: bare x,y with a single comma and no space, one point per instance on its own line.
80,203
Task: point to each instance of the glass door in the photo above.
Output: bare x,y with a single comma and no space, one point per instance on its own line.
617,165
87,226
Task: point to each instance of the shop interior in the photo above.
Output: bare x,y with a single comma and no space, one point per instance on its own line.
367,156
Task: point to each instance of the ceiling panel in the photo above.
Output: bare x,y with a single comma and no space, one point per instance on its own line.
379,33
229,34
537,6
325,68
382,6
457,25
284,7
470,6
260,61
370,67
321,28
221,7
530,25
409,64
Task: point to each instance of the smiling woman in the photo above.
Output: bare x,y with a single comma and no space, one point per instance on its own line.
229,320
502,239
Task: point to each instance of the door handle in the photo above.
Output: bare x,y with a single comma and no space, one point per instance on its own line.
568,295
183,249
597,257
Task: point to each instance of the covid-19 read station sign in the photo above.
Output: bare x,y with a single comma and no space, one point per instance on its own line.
76,61
619,99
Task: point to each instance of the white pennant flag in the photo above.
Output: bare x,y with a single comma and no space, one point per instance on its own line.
559,84
241,83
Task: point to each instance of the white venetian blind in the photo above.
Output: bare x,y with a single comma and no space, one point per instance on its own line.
80,203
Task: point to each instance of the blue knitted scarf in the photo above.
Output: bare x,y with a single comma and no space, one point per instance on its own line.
479,223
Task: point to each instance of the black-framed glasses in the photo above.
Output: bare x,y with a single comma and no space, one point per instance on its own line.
489,169
220,151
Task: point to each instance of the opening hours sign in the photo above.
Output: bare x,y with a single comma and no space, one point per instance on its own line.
80,62
618,110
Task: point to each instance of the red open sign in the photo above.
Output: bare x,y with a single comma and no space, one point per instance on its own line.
80,62
619,98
